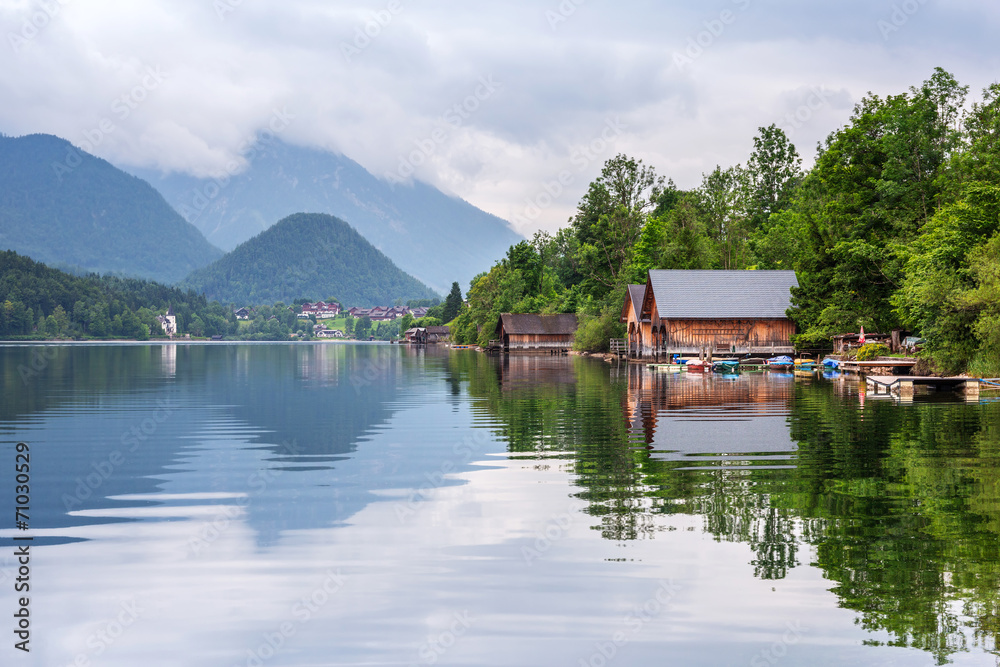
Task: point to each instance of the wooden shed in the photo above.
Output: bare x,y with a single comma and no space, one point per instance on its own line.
424,335
639,331
719,312
536,332
845,342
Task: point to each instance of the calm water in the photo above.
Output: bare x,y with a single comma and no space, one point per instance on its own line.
301,504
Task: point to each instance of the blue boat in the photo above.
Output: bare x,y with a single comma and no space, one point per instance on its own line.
780,362
831,363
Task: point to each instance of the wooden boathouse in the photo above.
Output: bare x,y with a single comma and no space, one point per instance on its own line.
552,333
639,331
425,335
718,312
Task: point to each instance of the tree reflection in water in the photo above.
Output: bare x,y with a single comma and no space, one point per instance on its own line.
898,504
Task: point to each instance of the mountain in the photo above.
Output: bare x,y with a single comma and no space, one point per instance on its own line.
438,238
67,208
307,255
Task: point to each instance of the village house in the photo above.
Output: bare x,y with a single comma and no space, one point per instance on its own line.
320,310
242,313
729,312
168,322
379,314
535,332
329,333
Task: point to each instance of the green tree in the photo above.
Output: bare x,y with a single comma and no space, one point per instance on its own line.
610,219
721,207
771,175
61,319
363,327
874,185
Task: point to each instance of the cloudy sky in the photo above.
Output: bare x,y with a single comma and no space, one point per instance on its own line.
513,106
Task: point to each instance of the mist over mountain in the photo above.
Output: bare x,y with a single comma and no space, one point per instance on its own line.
431,235
64,207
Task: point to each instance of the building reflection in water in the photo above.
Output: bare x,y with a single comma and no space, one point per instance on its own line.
520,371
711,416
168,360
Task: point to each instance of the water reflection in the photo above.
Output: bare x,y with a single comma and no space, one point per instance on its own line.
899,503
545,496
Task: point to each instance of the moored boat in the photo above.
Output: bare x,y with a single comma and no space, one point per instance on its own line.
805,363
782,362
669,368
725,365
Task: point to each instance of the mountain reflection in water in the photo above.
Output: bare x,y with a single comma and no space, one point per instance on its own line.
541,498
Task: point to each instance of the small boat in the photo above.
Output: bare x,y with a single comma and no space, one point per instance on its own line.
805,363
725,365
831,363
669,368
697,366
783,361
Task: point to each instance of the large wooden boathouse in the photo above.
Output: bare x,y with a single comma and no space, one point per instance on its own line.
716,312
535,332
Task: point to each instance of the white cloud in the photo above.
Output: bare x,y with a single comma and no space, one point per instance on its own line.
229,71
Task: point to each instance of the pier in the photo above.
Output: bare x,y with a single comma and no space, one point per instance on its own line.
905,385
890,366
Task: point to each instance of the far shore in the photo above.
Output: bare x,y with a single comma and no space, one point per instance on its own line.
182,341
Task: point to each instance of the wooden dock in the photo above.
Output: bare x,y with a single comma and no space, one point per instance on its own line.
905,385
896,366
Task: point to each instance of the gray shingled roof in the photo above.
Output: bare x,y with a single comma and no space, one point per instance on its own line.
637,294
722,294
526,324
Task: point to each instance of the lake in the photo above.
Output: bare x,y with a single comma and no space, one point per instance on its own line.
358,504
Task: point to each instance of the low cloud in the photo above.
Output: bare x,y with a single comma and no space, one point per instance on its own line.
64,63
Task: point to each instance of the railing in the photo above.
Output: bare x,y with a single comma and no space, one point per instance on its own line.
539,345
619,346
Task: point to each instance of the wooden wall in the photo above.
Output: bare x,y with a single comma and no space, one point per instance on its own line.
538,341
718,334
639,335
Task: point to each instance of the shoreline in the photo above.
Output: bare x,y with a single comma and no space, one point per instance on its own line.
184,341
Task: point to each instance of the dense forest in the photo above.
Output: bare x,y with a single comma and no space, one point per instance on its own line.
307,255
895,226
69,209
40,302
